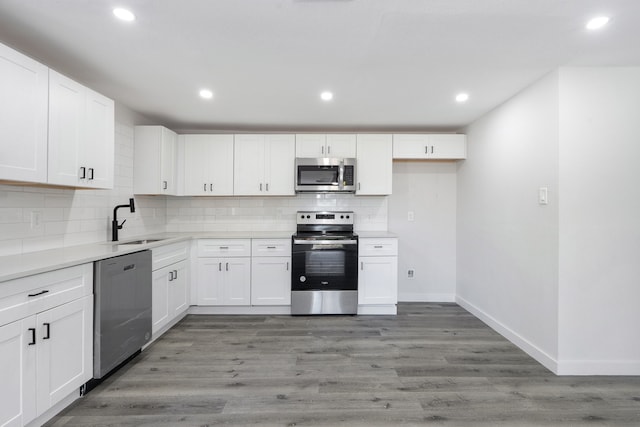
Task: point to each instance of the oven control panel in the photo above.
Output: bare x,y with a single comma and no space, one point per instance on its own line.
324,218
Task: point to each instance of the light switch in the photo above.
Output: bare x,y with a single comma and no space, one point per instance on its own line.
410,216
543,196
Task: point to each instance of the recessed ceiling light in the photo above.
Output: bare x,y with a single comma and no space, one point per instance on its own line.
124,14
206,94
597,23
462,97
326,95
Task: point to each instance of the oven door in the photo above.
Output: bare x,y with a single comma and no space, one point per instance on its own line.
325,265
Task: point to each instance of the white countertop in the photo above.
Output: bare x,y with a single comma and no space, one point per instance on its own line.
21,265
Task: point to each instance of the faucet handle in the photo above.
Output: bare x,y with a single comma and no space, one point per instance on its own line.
121,224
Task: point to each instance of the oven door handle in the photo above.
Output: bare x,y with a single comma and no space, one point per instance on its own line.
324,242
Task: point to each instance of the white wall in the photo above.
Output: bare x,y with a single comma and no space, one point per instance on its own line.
507,244
428,244
71,217
599,221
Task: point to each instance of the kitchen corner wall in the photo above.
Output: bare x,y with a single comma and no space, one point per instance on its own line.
69,217
203,214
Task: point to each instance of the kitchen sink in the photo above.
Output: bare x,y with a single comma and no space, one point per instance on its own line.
140,242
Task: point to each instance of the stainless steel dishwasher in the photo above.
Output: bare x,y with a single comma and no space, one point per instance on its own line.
122,312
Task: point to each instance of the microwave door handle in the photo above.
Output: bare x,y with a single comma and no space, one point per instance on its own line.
341,176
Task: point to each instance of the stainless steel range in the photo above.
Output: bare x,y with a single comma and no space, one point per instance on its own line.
324,273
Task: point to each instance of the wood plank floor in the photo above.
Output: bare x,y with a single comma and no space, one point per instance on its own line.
433,364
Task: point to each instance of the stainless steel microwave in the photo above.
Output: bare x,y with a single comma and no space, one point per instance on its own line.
325,175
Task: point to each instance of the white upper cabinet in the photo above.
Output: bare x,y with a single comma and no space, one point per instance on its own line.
374,172
207,165
264,165
24,96
81,135
154,161
429,146
326,145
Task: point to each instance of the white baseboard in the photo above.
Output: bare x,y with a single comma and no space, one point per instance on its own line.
55,409
538,354
412,297
388,309
598,367
241,310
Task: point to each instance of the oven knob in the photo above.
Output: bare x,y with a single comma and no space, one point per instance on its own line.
341,216
302,216
347,216
303,279
308,216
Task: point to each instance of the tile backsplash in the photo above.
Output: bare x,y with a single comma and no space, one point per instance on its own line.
193,214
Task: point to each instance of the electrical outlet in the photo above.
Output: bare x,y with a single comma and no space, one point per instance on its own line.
410,273
36,220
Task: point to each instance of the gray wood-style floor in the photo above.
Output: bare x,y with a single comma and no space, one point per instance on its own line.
433,364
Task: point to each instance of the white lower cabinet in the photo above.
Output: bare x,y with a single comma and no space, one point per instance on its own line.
46,345
170,285
224,281
378,274
271,272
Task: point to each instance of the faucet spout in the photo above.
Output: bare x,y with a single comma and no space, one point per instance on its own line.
114,223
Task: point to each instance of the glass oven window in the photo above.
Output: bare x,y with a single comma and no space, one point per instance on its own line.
325,263
314,175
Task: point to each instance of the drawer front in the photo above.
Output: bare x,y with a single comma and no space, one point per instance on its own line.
271,247
169,254
224,247
32,294
378,247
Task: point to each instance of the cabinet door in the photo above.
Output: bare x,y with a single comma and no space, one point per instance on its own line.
248,162
378,280
168,153
448,146
98,140
209,281
24,94
160,298
178,290
271,281
374,171
66,111
311,145
410,146
64,351
341,145
18,362
208,165
279,165
237,281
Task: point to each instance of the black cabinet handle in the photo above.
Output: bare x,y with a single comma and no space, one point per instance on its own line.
38,293
83,172
219,266
33,336
227,268
171,276
210,187
164,185
175,274
90,173
48,332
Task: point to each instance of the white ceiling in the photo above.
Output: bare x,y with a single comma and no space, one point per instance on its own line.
392,64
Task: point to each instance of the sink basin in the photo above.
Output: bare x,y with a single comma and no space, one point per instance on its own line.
140,242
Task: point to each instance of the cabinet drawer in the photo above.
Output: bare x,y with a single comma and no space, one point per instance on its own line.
270,247
378,247
169,254
224,247
32,294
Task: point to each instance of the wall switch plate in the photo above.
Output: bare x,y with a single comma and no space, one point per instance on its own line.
410,216
410,273
543,196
